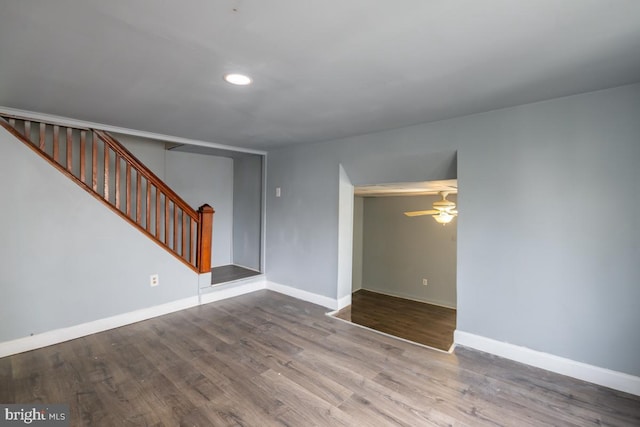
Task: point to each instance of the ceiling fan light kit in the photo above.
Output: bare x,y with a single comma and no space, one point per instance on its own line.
443,210
443,218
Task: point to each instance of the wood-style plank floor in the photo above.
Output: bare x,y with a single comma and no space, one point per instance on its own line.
229,273
264,359
419,322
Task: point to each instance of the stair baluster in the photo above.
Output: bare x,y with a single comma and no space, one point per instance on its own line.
148,203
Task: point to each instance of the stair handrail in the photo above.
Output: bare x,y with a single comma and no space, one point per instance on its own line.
145,171
203,217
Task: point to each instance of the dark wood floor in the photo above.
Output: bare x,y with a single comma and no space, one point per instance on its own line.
419,322
264,359
229,273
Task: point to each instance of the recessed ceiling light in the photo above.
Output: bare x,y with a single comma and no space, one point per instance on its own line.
237,79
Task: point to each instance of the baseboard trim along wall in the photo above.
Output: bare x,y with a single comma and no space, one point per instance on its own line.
221,292
216,293
304,295
560,365
344,302
593,374
410,298
56,336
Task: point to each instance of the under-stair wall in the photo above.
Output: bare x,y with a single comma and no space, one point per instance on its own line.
65,260
104,168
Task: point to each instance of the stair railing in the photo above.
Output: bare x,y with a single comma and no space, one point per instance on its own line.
107,170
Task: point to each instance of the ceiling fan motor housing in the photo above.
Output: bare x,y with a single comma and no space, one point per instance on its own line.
443,205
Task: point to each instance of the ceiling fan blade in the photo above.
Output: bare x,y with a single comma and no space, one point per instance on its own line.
420,213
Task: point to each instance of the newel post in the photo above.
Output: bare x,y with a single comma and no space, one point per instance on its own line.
205,216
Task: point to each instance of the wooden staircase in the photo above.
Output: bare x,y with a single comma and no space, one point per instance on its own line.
108,171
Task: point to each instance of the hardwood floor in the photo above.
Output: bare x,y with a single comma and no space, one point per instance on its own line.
264,359
419,322
229,273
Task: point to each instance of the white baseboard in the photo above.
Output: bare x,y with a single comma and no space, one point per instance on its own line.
344,302
204,280
205,296
221,292
56,336
582,371
303,295
410,298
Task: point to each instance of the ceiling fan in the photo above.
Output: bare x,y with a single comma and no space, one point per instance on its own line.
443,210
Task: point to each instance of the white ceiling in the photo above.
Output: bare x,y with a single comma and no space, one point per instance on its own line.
322,69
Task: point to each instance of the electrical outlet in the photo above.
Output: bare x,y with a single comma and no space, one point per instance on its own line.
425,282
278,192
154,280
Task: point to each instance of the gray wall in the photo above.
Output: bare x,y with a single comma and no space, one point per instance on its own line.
65,258
542,260
247,211
400,251
198,179
149,151
358,229
345,238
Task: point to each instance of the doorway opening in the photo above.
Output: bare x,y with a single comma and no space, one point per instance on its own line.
404,267
238,252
